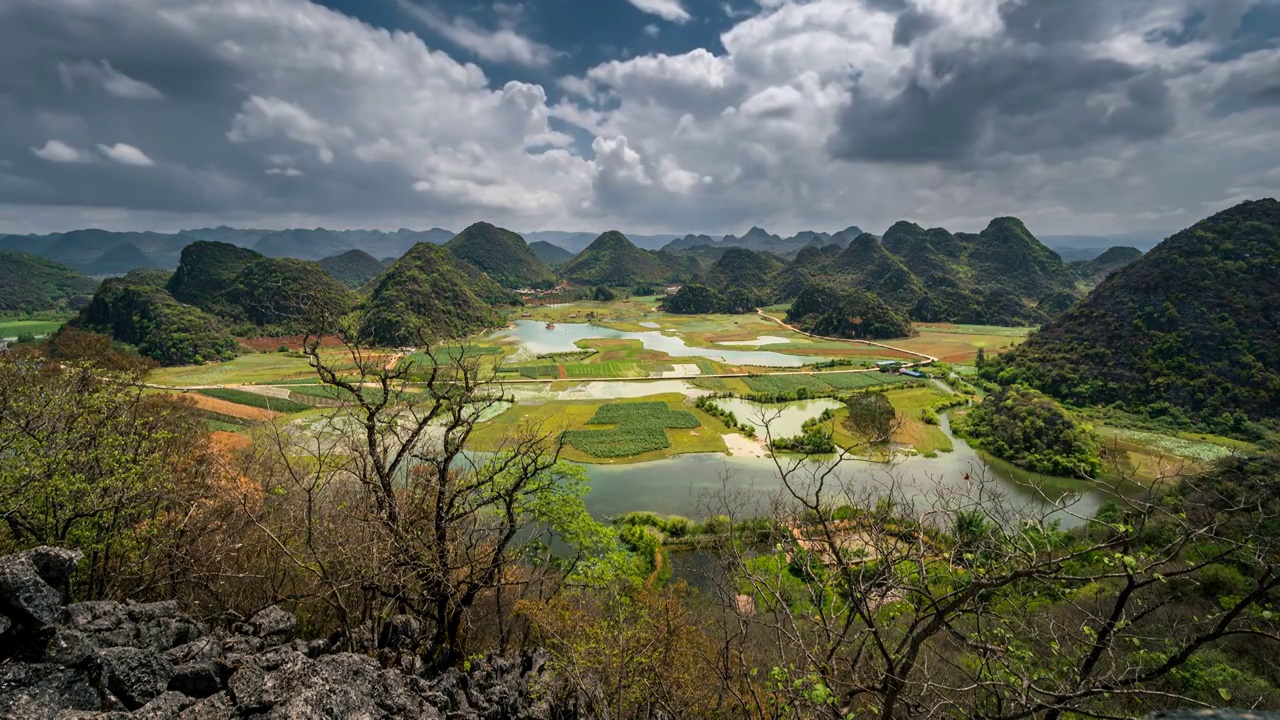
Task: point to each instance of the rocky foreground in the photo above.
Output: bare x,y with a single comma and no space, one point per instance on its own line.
148,660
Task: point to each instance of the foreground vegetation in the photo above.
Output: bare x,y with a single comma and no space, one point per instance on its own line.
843,601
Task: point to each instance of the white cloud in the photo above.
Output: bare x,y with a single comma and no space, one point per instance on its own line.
666,9
102,75
375,127
652,30
501,45
60,152
126,155
261,118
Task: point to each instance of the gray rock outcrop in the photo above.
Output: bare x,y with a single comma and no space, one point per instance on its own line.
147,660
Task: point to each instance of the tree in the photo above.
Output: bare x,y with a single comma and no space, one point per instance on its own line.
427,531
1010,616
980,360
871,415
89,462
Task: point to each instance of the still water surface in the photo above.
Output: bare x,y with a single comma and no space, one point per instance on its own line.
540,340
686,484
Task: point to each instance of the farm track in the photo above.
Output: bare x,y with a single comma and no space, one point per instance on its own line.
923,360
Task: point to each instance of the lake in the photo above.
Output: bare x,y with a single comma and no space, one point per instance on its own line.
684,485
537,339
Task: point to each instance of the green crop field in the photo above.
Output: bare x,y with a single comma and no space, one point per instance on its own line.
13,327
639,427
244,397
785,383
858,381
245,370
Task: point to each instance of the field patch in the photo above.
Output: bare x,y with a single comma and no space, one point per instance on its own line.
823,382
958,346
14,327
230,409
638,428
255,400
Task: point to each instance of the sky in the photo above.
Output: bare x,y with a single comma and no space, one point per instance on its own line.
1078,116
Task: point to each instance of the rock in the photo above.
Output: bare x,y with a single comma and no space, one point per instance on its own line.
54,565
216,707
69,648
94,660
134,675
199,678
401,632
25,596
44,690
273,625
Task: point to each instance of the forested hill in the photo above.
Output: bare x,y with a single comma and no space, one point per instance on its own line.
1001,276
612,259
502,254
31,284
427,294
353,268
1193,325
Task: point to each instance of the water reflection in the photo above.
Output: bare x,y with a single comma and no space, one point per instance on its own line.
540,339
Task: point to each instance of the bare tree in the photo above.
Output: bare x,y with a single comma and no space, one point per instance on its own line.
384,510
904,601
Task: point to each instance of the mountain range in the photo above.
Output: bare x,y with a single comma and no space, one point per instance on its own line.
106,252
1002,275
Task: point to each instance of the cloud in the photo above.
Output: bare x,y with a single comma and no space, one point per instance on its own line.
652,30
102,76
1080,116
59,152
670,10
126,155
503,44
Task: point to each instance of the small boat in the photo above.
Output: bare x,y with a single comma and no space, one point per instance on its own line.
551,326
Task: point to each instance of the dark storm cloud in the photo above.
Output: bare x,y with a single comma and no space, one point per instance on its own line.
1035,89
184,132
910,25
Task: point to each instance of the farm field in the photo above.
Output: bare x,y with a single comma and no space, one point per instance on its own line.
255,400
952,345
244,370
14,326
560,416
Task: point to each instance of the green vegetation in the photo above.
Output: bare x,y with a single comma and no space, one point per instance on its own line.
353,268
1031,431
33,284
613,260
1097,269
799,387
696,299
708,405
282,297
639,427
1003,276
503,255
20,326
252,399
549,254
160,327
1188,332
822,310
205,273
815,437
426,295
